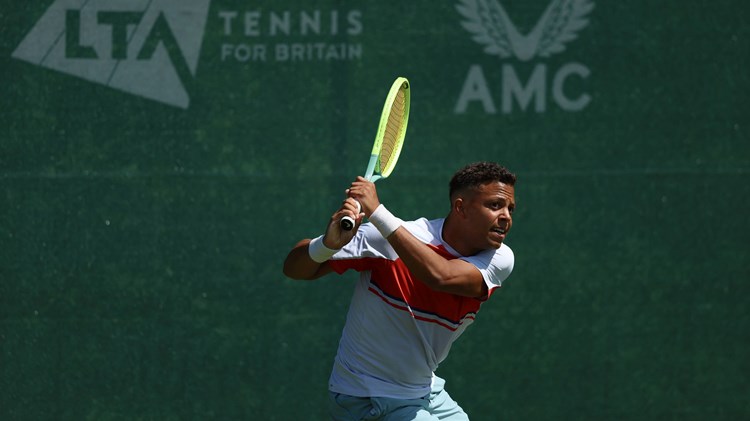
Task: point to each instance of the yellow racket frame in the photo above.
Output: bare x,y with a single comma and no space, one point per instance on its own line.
391,131
390,136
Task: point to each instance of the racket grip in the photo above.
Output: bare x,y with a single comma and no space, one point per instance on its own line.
347,223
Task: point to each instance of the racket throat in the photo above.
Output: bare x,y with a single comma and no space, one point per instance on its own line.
370,173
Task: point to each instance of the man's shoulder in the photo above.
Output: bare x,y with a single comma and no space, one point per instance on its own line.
500,257
504,249
427,230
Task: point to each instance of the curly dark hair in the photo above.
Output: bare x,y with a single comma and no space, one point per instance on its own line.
479,173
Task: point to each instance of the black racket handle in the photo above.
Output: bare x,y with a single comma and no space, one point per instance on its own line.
347,223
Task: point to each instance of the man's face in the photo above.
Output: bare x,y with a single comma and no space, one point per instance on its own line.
488,215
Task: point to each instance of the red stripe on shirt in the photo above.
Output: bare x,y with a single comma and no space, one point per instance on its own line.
394,279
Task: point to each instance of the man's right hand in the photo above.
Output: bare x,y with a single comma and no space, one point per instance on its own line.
336,237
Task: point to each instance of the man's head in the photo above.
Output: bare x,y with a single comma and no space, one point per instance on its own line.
478,173
482,198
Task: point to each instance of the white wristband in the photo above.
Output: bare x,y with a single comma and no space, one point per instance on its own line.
385,221
318,251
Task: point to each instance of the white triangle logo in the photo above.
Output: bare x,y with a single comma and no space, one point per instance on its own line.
143,47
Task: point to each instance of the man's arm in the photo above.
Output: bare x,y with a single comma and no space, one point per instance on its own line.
300,264
454,276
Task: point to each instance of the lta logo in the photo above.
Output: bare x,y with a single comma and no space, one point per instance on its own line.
491,27
147,48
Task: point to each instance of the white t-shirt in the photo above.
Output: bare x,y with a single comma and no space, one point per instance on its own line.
397,329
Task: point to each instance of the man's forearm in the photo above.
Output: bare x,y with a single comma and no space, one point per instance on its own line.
299,265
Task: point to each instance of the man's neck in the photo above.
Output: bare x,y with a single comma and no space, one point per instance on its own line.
452,236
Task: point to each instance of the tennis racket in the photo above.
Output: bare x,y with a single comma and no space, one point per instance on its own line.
390,137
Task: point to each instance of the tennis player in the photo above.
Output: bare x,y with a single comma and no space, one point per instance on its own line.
421,285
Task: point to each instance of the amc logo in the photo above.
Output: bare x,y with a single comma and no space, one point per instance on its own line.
491,27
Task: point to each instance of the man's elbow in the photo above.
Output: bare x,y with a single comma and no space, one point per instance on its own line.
290,270
293,272
297,265
288,273
301,272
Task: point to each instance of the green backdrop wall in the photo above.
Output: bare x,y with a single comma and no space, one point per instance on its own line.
159,158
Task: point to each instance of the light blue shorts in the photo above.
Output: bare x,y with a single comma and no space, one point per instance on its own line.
438,405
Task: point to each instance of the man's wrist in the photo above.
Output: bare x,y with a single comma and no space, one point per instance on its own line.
318,251
385,221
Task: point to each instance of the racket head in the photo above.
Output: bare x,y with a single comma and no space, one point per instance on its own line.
389,139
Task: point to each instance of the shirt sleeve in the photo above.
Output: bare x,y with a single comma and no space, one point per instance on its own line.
495,265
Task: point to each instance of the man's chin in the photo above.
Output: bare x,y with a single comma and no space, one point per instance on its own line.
494,244
496,240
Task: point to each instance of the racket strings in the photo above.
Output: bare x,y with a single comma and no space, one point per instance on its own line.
392,132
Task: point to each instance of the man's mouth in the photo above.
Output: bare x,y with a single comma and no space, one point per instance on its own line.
501,231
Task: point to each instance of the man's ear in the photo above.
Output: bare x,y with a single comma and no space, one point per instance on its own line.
458,206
